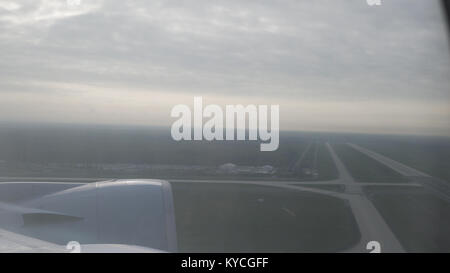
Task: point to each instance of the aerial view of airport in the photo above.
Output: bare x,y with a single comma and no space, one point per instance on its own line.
225,126
319,192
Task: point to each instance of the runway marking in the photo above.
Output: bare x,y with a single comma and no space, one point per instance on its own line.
288,211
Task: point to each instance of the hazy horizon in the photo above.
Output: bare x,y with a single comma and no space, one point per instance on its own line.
166,129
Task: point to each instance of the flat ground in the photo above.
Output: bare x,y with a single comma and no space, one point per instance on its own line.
222,217
419,219
365,169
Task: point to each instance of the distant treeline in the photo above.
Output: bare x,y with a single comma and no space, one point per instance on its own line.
91,145
104,144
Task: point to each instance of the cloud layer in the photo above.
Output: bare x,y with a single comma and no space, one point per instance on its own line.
332,65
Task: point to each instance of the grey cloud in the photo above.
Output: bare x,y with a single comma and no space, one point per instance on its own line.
330,50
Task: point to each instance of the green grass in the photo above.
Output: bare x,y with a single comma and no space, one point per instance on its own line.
431,157
213,217
325,164
420,220
317,157
365,169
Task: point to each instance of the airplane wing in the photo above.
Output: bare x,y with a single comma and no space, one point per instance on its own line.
111,216
16,243
11,242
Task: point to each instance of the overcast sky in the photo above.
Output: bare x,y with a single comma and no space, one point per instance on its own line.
337,65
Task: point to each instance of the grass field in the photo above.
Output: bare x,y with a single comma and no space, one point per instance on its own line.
317,158
426,154
420,220
212,217
364,168
325,164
